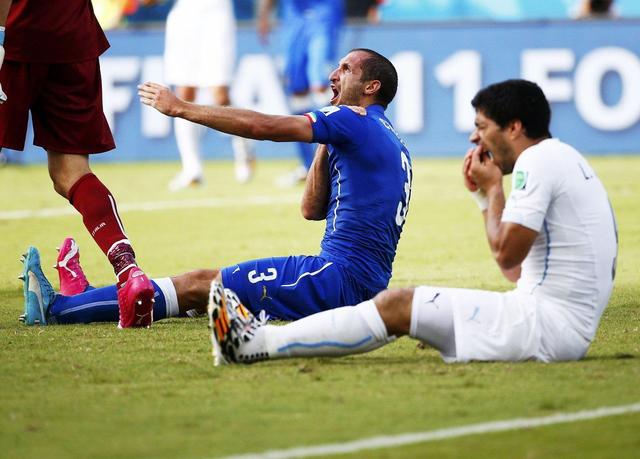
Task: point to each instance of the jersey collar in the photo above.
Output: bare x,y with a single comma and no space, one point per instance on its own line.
377,108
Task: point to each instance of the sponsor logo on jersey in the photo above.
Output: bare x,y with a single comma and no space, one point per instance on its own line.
520,180
329,110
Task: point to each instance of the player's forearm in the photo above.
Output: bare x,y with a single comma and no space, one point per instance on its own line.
5,5
244,123
492,220
315,199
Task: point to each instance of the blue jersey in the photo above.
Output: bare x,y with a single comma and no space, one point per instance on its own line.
370,173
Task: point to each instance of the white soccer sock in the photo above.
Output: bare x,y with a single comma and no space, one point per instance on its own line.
242,148
341,331
188,138
299,104
321,98
170,296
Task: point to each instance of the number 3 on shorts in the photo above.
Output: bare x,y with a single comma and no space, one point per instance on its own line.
254,277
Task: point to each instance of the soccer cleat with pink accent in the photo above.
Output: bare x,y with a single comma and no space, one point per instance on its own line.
72,278
135,300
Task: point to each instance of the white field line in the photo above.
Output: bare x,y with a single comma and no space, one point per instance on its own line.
441,434
154,205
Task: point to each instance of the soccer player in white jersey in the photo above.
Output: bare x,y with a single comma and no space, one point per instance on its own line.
200,46
555,235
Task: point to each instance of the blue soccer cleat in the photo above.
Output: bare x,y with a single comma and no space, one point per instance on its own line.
38,292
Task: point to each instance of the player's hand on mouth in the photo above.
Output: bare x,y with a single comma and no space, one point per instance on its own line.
466,175
482,170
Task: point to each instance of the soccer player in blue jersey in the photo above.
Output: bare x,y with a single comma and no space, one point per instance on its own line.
359,182
311,29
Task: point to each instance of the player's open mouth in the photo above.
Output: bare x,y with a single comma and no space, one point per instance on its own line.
336,93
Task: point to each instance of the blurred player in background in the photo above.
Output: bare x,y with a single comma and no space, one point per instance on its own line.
200,49
51,69
359,182
311,31
555,235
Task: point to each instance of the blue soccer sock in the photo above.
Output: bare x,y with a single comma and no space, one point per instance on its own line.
301,104
101,304
306,153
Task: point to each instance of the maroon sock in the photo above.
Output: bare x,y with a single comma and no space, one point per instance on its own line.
100,216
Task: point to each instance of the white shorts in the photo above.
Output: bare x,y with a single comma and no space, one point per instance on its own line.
200,43
509,326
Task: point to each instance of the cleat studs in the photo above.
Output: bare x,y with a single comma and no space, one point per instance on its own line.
57,249
36,322
21,277
22,258
139,303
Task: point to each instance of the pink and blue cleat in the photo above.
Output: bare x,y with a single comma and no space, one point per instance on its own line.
38,292
135,300
72,278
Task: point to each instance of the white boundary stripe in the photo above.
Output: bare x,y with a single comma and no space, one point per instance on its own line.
155,205
441,434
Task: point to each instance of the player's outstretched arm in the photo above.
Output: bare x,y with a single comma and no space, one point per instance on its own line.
315,199
235,121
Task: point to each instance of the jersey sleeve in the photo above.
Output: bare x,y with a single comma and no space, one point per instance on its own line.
531,193
336,125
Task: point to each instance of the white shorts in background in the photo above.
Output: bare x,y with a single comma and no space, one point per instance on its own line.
200,43
509,326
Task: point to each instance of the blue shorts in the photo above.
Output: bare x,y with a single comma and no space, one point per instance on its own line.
311,51
289,288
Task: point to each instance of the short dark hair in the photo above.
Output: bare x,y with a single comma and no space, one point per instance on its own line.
516,100
378,67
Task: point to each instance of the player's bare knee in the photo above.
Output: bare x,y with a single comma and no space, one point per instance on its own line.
60,188
394,307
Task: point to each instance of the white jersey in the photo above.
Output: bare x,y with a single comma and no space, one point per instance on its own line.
571,265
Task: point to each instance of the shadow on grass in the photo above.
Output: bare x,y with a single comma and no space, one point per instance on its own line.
616,356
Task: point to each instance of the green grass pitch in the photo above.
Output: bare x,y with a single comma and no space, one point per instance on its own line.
95,391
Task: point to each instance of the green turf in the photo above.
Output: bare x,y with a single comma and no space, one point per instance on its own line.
95,391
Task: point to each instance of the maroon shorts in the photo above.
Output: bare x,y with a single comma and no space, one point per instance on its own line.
65,101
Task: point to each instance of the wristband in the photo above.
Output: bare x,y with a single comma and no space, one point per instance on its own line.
481,199
1,35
